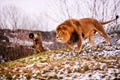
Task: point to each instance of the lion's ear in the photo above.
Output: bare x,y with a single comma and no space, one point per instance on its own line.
58,28
77,23
31,35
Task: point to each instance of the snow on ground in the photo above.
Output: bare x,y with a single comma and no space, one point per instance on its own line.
65,65
99,63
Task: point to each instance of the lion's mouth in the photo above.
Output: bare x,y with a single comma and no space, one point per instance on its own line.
61,40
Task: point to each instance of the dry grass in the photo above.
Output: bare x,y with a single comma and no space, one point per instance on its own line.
62,65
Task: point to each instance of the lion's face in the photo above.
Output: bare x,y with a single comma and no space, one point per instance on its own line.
62,34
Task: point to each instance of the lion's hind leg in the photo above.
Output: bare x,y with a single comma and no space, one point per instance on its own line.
103,33
91,37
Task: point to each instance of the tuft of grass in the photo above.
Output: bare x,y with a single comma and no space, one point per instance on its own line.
28,76
86,68
118,66
8,76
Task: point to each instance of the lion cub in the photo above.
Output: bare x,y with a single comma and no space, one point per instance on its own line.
74,31
37,42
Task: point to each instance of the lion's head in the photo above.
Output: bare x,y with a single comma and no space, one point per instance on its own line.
67,31
62,33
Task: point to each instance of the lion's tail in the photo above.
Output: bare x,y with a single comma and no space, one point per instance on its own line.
103,23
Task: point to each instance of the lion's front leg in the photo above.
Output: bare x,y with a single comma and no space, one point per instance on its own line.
79,47
70,46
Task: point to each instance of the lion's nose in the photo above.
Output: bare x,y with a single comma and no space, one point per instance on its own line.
57,37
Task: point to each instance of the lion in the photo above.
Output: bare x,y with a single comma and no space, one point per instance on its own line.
73,31
37,42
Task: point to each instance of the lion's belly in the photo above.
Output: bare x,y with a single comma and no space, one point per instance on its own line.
87,30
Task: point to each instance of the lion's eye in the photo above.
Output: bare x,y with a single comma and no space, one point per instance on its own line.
61,32
64,28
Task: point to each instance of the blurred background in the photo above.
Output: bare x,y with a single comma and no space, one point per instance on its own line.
20,17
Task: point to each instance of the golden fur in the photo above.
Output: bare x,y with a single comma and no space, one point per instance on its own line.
37,42
74,31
